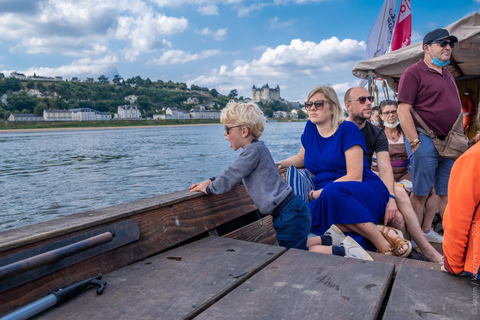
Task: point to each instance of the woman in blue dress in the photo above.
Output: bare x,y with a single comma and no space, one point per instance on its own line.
348,196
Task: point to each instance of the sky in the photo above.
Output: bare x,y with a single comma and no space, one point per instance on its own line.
221,44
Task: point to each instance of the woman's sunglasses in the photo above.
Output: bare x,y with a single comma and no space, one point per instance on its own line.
318,104
362,100
445,43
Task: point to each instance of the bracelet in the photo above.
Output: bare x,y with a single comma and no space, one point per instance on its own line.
392,196
311,194
414,143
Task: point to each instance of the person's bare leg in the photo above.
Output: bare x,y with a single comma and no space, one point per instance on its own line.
431,207
399,223
372,232
321,249
413,227
418,203
442,204
314,241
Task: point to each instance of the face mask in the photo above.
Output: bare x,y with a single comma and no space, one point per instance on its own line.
437,62
375,123
391,125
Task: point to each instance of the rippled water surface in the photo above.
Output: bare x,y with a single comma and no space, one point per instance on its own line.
45,175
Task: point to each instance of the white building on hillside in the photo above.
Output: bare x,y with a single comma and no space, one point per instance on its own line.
17,75
128,112
162,117
177,113
87,114
22,117
199,112
279,114
57,115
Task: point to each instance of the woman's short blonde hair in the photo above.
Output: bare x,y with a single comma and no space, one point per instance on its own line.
331,96
246,115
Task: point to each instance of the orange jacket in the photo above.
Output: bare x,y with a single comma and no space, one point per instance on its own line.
461,224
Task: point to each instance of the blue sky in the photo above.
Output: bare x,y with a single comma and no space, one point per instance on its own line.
227,44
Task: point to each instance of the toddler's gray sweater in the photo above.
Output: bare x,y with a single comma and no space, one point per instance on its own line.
256,169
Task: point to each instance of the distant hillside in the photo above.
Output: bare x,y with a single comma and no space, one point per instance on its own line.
24,96
27,96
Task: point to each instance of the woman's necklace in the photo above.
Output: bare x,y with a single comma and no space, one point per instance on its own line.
395,136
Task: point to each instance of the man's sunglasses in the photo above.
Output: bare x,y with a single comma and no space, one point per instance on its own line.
445,43
319,104
362,100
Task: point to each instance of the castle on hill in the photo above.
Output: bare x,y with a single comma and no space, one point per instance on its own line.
265,93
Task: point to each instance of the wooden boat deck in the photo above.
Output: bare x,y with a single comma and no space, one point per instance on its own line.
221,278
194,258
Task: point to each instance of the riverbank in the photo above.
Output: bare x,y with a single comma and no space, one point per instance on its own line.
102,125
101,128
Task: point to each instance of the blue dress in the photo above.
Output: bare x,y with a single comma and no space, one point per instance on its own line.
349,202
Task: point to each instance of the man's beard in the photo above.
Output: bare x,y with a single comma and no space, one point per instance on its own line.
359,118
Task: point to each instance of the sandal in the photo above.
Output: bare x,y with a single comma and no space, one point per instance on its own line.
397,242
388,252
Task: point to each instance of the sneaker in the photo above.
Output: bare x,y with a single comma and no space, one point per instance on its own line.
432,236
336,234
354,250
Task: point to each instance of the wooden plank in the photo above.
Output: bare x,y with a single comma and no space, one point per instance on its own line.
259,231
17,237
397,261
176,284
160,229
428,294
306,285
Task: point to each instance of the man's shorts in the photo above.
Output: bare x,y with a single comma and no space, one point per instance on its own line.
428,168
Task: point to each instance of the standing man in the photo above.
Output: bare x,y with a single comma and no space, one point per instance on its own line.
430,90
399,212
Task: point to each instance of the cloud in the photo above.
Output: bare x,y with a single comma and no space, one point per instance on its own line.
300,59
86,27
208,10
64,46
246,10
81,68
179,56
275,24
144,32
219,35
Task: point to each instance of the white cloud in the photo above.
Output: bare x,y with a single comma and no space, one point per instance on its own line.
219,35
208,10
179,3
86,27
81,68
299,59
246,10
62,45
144,31
179,56
275,23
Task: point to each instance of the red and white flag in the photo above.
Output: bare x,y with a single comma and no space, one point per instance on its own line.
402,35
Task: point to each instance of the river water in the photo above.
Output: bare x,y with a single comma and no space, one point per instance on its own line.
46,175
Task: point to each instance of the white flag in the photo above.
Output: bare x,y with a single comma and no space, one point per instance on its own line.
381,33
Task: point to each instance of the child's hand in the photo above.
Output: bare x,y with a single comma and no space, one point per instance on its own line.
200,186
